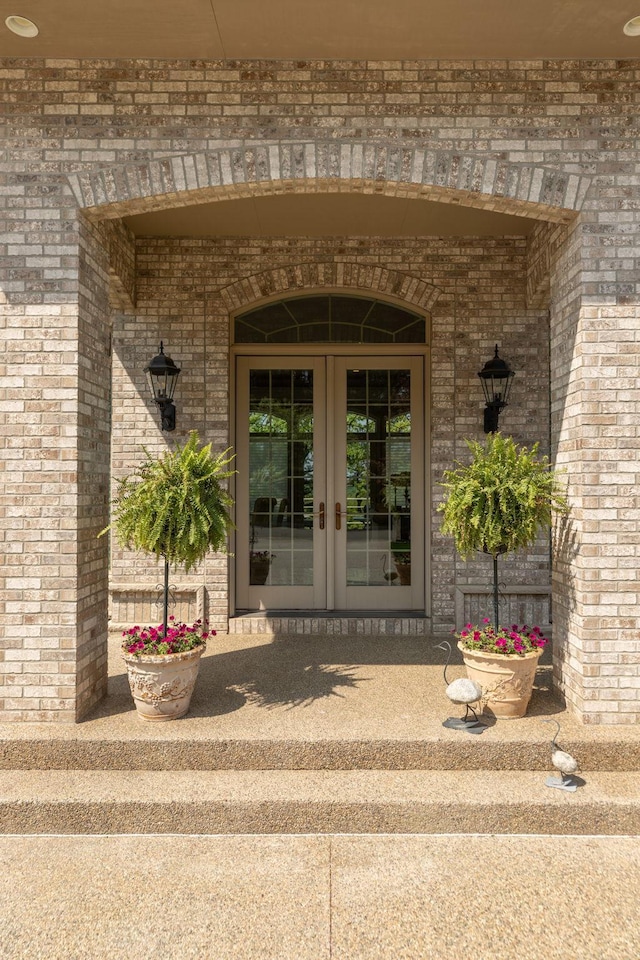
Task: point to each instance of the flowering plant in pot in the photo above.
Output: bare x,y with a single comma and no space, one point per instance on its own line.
163,666
153,641
503,661
508,641
176,508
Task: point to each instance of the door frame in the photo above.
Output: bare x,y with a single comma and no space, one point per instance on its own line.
290,351
315,594
366,598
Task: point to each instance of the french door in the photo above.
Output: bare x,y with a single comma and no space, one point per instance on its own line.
330,483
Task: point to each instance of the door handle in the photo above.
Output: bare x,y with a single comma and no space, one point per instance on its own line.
338,516
321,516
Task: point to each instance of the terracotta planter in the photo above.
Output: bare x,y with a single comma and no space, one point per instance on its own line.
506,681
162,684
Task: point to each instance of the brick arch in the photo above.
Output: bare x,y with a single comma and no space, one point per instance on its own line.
328,276
368,167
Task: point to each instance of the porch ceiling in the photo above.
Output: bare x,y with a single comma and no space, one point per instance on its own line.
318,215
332,29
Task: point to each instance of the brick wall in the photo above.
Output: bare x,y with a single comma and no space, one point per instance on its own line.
478,293
541,138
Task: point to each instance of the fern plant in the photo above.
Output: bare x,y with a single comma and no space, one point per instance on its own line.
175,506
499,501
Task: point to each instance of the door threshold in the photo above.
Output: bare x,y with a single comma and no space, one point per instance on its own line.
334,623
323,614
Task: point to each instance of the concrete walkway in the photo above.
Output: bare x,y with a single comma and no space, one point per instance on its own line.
319,897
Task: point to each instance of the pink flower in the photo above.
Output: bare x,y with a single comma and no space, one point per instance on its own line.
179,638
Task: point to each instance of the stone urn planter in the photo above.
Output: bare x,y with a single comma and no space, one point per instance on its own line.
162,684
506,679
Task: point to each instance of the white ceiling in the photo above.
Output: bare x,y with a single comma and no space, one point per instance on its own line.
333,29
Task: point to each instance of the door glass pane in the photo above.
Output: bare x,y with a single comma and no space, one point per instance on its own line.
378,425
281,477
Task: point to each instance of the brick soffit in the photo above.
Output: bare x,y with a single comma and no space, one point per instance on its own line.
251,169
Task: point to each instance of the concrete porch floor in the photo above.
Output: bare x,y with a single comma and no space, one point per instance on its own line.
316,702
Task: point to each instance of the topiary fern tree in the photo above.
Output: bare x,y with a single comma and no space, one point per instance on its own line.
500,500
175,507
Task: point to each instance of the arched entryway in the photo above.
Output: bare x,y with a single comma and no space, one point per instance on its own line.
362,168
329,430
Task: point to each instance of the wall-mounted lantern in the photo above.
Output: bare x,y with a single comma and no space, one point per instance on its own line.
163,376
496,377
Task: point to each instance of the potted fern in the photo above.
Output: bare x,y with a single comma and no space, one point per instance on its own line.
498,503
176,508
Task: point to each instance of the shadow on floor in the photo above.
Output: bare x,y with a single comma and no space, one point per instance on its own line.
296,672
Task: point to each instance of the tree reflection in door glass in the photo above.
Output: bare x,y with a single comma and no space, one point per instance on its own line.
281,477
378,426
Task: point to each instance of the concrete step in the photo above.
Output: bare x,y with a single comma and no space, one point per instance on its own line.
306,802
185,745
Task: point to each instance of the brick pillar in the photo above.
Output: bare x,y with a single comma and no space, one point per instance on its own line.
93,469
595,348
55,435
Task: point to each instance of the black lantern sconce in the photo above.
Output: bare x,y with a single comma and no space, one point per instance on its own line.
163,376
496,377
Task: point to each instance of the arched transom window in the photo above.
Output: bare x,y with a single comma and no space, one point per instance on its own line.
330,319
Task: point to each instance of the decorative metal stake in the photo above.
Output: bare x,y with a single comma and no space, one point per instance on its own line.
496,605
165,599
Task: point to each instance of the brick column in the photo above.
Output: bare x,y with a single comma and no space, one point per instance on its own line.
56,373
93,469
595,348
